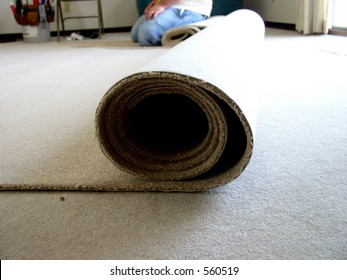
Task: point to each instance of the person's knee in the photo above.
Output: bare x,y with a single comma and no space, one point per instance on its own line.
149,34
135,29
134,35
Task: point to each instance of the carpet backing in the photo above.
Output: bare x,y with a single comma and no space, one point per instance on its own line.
185,121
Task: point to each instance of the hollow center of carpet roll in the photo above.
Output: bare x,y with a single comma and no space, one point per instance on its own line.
167,124
162,126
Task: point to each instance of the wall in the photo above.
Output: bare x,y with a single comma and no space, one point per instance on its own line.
123,13
116,13
280,11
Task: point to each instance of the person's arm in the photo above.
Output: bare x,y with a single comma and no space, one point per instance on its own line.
157,6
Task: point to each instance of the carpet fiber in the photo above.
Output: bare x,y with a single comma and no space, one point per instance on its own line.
289,203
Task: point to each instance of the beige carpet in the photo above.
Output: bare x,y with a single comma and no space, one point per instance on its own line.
183,122
289,203
180,123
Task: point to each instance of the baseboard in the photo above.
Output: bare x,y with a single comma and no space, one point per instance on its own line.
338,31
279,25
5,38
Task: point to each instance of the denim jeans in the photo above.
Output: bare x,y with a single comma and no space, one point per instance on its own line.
149,32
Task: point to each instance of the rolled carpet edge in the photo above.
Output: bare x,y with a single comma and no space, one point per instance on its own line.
178,34
221,127
185,121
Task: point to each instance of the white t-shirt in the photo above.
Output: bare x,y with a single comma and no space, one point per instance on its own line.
203,7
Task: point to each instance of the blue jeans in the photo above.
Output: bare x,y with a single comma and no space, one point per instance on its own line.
149,32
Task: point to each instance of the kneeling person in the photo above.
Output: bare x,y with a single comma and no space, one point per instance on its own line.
162,15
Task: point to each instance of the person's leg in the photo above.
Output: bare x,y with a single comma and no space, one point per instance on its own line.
134,34
150,32
188,17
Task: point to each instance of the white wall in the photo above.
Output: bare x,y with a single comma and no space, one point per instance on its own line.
123,13
281,11
116,13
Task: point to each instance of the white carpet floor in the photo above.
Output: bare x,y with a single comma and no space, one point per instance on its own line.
290,203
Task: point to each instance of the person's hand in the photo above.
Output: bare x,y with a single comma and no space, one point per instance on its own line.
153,9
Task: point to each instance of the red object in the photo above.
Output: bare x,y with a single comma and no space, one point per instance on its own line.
13,8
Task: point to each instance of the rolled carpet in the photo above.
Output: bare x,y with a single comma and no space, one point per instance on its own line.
186,121
178,34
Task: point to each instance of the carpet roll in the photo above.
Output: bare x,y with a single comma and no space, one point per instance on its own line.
185,121
178,34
